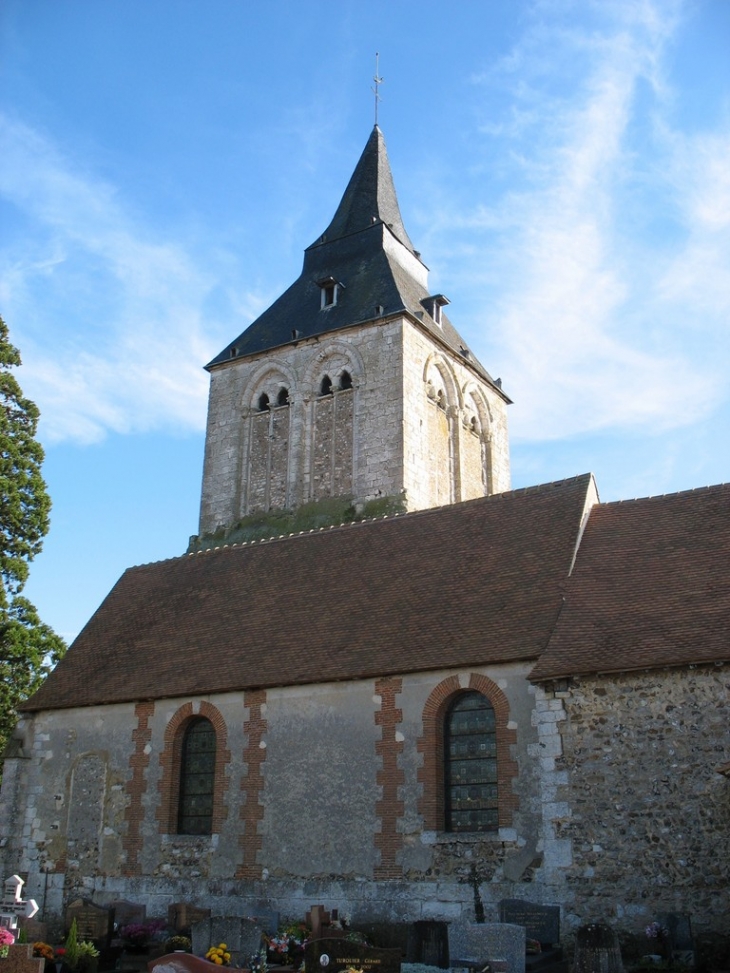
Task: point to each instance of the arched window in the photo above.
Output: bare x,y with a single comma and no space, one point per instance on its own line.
470,765
283,397
326,386
263,402
197,778
345,380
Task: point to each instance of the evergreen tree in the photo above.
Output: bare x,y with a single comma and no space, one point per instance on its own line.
28,648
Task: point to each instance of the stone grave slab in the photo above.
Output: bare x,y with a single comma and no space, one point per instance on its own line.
20,959
184,915
542,922
242,937
334,955
180,963
474,944
93,922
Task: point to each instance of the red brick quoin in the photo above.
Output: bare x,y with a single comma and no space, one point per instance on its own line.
431,745
136,787
389,840
252,785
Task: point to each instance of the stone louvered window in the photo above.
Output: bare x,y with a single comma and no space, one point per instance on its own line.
470,765
197,778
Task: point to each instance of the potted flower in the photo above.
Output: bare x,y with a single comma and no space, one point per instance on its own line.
137,936
45,952
6,941
88,957
178,944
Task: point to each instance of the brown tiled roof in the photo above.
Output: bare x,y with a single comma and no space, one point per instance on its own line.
469,584
649,589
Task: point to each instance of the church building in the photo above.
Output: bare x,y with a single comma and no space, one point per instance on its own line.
380,679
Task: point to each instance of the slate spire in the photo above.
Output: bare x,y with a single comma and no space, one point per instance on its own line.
369,198
366,253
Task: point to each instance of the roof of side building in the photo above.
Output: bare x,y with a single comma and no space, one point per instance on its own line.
649,587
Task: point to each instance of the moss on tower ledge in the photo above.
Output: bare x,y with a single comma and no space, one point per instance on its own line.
322,513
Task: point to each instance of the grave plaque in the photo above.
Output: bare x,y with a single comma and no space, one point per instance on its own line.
334,955
541,922
93,922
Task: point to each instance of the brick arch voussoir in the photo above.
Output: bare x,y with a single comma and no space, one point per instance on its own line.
170,764
431,745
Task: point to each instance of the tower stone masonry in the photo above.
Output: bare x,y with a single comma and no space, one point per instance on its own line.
353,391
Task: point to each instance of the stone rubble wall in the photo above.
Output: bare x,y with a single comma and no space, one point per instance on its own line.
647,813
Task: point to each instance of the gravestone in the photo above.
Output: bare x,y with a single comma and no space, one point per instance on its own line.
128,913
318,920
35,931
266,918
473,945
428,943
20,959
542,925
597,950
182,916
93,922
242,937
541,922
13,905
681,943
334,955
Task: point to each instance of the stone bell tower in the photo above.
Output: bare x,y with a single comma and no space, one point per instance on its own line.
352,394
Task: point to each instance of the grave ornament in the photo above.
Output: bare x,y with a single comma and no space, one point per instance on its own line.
13,905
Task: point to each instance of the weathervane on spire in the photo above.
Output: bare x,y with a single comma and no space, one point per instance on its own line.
378,81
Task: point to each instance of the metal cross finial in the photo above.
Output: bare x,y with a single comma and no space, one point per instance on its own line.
378,81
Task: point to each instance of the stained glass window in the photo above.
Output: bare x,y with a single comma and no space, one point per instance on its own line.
470,771
197,779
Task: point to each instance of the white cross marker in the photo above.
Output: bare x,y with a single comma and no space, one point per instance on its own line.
13,906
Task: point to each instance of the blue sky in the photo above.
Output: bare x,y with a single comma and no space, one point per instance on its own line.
564,168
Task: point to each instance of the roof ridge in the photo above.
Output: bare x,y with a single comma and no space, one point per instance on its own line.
425,512
662,496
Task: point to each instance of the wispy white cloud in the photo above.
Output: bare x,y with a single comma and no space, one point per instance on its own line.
132,359
594,310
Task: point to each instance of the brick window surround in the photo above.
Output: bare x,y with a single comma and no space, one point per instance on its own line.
170,762
431,745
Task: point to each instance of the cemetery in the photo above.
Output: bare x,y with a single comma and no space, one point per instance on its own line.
526,939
